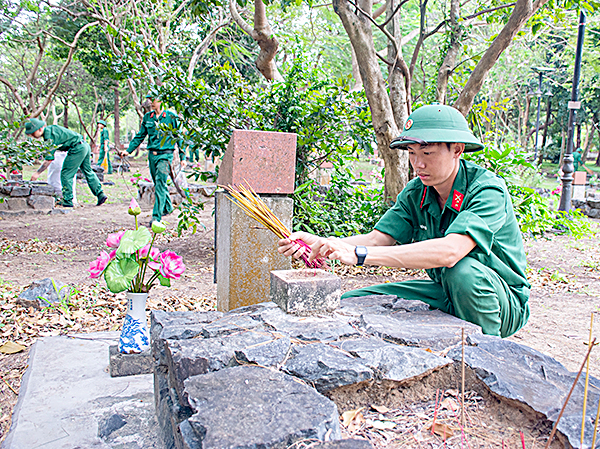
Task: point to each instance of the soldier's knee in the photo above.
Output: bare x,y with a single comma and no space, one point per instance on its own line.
465,276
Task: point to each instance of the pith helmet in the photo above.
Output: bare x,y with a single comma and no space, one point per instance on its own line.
33,125
437,123
101,122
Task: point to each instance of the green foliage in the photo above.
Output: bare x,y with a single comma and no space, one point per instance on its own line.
189,210
345,208
121,272
15,153
533,212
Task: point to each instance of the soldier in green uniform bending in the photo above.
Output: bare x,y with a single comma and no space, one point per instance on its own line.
104,146
160,154
78,156
455,220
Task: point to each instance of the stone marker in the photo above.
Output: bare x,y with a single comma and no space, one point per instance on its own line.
235,408
246,252
51,293
129,364
265,159
305,292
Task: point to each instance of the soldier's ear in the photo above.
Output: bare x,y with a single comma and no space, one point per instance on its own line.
457,148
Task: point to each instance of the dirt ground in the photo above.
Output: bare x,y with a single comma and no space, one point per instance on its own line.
564,272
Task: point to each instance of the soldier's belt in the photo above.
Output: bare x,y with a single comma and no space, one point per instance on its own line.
157,152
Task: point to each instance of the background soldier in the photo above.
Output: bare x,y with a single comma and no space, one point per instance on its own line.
104,146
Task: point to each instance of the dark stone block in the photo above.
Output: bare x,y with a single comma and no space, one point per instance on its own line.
41,202
433,329
270,353
305,292
253,407
372,304
390,361
326,367
5,189
527,376
43,289
20,191
188,358
42,189
129,364
110,424
229,324
308,329
410,305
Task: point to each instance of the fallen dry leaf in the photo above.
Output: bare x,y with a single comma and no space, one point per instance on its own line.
348,417
449,404
380,408
442,430
11,348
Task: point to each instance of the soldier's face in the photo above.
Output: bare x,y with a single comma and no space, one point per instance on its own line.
38,133
436,164
156,105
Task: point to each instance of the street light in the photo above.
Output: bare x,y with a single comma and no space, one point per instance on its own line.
538,93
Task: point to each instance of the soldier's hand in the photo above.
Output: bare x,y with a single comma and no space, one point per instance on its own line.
35,176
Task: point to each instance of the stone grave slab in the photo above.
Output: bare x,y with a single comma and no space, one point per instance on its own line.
129,364
371,304
393,362
305,292
229,324
433,329
269,353
529,377
326,367
253,407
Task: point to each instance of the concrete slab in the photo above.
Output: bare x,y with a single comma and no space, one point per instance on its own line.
67,399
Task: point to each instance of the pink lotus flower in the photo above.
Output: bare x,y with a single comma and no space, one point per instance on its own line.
134,208
153,265
112,254
98,265
113,240
171,265
154,252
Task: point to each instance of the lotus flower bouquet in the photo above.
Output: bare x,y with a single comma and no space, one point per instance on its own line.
134,264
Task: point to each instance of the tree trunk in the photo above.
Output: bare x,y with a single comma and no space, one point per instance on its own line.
117,130
578,139
65,113
522,11
456,34
358,28
525,122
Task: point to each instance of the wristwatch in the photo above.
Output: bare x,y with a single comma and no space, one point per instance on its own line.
361,253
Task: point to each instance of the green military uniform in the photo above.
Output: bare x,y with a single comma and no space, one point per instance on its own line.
160,156
104,148
78,156
576,159
487,287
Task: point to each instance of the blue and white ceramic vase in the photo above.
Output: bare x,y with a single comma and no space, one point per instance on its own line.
134,336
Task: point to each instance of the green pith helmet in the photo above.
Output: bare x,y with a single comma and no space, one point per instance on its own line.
437,123
101,122
33,125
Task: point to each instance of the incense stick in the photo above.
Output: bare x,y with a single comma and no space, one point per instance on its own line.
587,382
249,201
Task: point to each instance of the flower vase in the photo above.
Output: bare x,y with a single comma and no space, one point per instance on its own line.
134,336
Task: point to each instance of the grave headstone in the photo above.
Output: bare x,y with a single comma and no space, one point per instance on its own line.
246,252
303,292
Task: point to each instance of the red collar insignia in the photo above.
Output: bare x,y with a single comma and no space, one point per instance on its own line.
164,114
152,115
457,200
423,197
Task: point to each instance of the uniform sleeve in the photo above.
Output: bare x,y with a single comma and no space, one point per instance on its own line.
51,136
139,137
483,216
398,221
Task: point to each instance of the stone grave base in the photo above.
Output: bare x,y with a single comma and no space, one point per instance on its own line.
129,364
376,350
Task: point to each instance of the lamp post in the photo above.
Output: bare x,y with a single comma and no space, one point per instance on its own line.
568,168
538,93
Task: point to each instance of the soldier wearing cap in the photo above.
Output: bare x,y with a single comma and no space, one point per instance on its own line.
455,220
160,153
104,146
78,157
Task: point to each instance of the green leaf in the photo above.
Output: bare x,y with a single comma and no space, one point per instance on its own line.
165,282
134,240
119,274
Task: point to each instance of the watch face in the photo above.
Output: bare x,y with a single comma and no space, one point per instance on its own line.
361,251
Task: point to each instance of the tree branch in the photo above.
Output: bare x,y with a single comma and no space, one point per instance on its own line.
238,19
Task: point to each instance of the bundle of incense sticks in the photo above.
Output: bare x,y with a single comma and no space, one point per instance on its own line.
247,199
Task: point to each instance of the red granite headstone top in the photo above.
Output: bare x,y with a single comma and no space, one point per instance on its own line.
265,159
